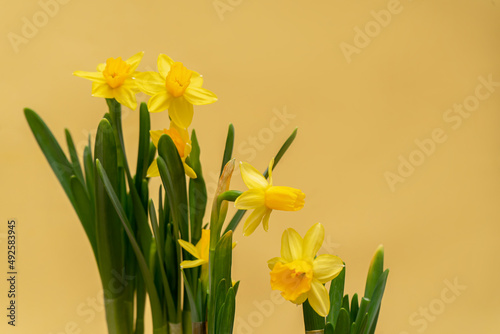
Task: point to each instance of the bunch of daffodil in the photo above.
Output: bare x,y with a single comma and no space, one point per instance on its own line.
178,261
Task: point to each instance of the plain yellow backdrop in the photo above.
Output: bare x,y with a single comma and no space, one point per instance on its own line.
397,105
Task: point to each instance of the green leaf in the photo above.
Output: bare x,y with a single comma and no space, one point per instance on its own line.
85,210
77,169
62,168
376,302
197,192
336,295
240,213
228,150
174,180
343,325
376,269
345,303
362,324
227,315
143,153
312,320
156,306
195,309
354,307
88,164
329,329
362,314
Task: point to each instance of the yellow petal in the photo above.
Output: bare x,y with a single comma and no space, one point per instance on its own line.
181,112
102,90
265,220
164,63
155,136
199,96
318,298
196,80
253,221
273,261
189,171
192,264
134,61
153,170
252,177
313,241
126,97
150,83
302,298
291,245
159,102
250,199
326,267
94,76
190,248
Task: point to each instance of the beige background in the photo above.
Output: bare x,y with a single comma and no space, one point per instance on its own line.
356,116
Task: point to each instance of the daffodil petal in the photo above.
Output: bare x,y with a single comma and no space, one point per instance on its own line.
196,80
155,136
164,63
193,263
190,248
301,299
253,221
250,199
159,102
189,171
199,96
273,261
265,220
102,90
150,83
135,60
291,245
126,97
94,76
326,267
318,298
313,241
181,112
252,177
153,170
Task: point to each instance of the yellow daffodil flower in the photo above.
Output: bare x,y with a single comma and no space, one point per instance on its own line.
182,142
263,197
175,89
201,253
299,274
115,80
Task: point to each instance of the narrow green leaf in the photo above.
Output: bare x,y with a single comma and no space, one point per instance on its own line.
174,180
156,307
362,312
343,325
345,303
312,320
227,319
143,153
195,311
329,329
361,328
336,295
228,150
88,164
77,168
354,307
197,192
53,153
85,210
376,301
376,269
